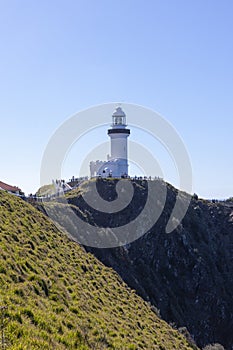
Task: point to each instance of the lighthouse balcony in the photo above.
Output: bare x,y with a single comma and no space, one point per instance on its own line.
118,131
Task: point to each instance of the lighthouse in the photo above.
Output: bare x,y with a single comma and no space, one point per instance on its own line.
118,135
117,162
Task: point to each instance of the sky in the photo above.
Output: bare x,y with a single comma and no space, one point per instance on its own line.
61,57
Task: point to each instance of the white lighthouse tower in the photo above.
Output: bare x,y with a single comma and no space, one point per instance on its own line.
118,135
117,163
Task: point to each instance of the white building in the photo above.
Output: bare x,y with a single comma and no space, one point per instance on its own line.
11,189
117,162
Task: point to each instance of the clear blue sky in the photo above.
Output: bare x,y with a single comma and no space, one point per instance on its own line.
59,57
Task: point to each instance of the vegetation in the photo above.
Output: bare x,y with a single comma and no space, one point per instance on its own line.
214,347
46,190
57,296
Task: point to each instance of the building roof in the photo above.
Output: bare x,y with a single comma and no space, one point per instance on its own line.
7,187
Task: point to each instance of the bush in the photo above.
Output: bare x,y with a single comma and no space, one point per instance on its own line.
215,346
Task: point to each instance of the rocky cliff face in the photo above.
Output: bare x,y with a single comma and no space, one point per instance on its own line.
187,274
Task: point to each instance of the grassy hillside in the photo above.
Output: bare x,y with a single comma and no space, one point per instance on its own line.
60,297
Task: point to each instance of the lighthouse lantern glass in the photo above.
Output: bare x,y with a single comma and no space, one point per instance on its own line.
119,120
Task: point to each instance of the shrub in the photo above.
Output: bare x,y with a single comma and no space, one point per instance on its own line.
215,346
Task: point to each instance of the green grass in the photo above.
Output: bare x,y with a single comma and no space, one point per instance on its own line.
60,297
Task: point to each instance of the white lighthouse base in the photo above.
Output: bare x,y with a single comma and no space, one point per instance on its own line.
112,168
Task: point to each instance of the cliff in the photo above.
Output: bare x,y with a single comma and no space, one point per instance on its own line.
57,296
186,274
